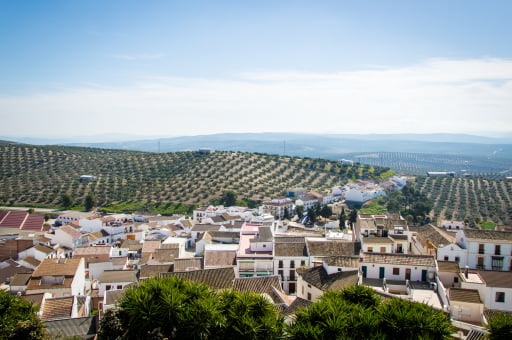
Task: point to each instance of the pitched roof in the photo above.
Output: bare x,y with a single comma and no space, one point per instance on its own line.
377,240
186,264
488,235
435,235
289,239
166,255
342,261
464,295
97,235
270,285
92,250
118,276
330,248
448,266
112,296
154,270
205,227
496,279
318,277
70,231
219,258
58,307
83,327
150,246
32,261
220,278
290,249
57,267
399,259
43,248
264,235
256,284
36,299
20,279
296,305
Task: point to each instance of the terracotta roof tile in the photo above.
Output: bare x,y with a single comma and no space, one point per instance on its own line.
221,278
58,307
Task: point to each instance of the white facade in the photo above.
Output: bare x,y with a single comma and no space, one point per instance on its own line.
486,253
452,225
453,252
90,226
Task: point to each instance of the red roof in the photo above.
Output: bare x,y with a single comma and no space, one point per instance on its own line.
21,220
33,222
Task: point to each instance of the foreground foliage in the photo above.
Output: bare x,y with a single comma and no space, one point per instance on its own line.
358,313
177,309
500,326
18,319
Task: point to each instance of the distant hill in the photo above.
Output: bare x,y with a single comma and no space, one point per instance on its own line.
407,153
132,179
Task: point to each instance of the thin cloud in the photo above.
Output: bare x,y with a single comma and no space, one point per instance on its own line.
438,95
138,56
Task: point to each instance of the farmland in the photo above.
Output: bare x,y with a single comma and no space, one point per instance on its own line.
470,199
40,175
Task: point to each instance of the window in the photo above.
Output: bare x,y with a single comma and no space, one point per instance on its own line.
370,249
480,263
396,271
119,287
455,279
291,288
497,263
481,249
446,258
500,297
292,275
302,263
497,249
280,272
109,287
382,249
280,263
309,296
457,259
292,264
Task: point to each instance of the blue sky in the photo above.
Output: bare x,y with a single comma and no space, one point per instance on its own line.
168,68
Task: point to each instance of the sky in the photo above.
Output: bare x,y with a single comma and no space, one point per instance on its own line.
175,68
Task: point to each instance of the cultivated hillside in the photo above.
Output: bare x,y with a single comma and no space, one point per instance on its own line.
42,174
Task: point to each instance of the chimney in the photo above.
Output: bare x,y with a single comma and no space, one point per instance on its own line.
466,272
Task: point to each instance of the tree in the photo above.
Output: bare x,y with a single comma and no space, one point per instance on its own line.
300,211
47,217
286,214
90,202
326,211
500,326
18,319
352,217
358,313
66,201
312,215
172,308
228,198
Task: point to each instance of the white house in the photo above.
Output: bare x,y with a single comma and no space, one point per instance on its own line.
313,282
69,237
398,267
486,249
452,225
494,287
61,277
466,305
116,280
39,252
290,253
